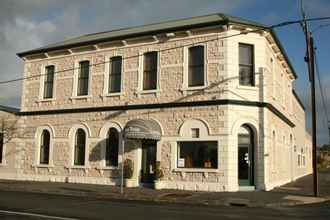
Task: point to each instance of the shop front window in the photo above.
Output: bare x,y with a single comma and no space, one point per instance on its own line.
198,154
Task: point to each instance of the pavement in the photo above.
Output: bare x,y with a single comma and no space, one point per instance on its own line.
295,193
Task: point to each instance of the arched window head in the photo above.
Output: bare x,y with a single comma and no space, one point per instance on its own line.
245,135
44,147
112,146
79,148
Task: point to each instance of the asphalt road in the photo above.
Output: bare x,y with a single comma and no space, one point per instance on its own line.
32,206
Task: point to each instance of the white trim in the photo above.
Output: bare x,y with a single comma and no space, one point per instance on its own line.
38,134
103,134
72,137
139,89
107,73
76,70
185,86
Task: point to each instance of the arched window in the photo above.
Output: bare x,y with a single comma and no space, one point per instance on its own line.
44,147
79,148
112,146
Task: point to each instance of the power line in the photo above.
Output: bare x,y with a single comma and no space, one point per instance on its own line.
323,96
177,47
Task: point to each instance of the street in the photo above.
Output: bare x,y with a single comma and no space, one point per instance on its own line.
22,205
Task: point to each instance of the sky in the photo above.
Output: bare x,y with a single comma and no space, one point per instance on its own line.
29,24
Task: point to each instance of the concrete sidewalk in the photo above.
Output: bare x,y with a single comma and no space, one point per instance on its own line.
298,192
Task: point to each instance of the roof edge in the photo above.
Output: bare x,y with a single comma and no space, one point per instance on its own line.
298,99
9,109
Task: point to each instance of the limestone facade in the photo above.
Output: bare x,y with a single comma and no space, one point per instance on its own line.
269,108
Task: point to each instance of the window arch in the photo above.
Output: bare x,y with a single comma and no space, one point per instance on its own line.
112,147
44,147
80,147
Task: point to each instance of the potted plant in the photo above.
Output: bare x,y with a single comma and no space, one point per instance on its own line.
128,173
159,174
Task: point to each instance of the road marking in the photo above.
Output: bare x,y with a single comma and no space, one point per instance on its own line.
36,215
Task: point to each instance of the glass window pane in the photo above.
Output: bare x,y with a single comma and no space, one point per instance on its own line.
44,147
245,75
48,82
83,78
150,71
115,74
246,65
79,152
245,54
112,147
199,154
196,66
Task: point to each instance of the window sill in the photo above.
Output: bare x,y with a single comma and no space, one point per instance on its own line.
46,100
152,91
115,94
107,168
251,88
193,88
43,166
196,170
80,97
76,167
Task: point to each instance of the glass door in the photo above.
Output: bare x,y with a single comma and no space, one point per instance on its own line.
245,157
148,165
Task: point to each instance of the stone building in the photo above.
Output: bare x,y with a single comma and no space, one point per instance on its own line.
208,99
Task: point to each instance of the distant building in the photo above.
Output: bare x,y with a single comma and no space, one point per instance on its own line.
216,112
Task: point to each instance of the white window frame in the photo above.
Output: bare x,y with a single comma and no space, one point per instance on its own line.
103,135
140,72
42,83
107,70
185,84
76,75
37,147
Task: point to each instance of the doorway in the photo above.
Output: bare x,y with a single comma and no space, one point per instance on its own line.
148,162
245,156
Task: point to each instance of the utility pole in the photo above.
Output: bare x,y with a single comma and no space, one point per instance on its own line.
310,59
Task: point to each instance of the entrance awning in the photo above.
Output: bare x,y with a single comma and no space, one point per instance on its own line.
142,129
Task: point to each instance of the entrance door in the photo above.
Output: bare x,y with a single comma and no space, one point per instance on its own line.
245,157
148,161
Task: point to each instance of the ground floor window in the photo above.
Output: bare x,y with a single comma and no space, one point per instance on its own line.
1,146
198,154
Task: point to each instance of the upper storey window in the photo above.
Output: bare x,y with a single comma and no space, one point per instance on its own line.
196,66
83,78
246,65
150,68
49,82
115,74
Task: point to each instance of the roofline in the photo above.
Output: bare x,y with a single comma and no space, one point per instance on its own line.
9,109
298,99
226,20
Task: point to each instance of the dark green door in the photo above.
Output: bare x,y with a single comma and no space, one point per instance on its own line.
148,161
245,157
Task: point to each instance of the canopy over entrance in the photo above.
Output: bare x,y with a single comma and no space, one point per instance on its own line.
142,129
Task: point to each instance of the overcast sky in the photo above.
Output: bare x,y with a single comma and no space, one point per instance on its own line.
30,24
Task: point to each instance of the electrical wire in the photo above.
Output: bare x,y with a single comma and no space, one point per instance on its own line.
177,47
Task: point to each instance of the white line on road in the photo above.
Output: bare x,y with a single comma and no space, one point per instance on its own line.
36,215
